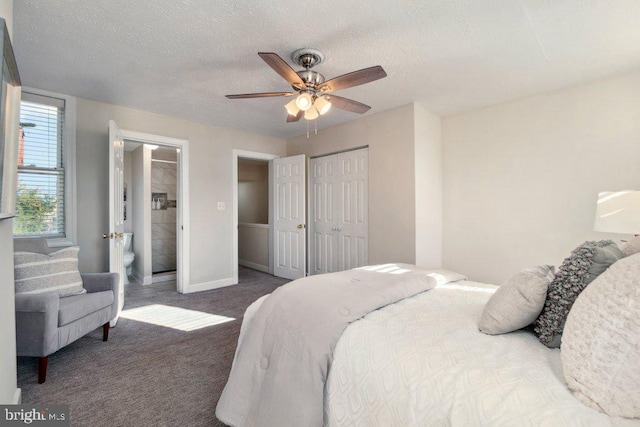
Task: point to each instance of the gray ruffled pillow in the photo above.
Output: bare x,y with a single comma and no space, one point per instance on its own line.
585,263
518,302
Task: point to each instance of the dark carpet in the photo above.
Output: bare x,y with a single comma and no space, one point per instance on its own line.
148,375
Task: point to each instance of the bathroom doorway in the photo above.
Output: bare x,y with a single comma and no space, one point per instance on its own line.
155,211
164,198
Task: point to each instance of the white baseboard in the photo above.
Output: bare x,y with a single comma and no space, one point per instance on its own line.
17,398
142,279
163,277
253,265
207,286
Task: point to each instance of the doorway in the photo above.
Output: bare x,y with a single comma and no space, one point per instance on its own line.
253,226
142,208
253,214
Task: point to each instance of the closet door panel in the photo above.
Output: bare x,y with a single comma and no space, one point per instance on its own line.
323,230
353,217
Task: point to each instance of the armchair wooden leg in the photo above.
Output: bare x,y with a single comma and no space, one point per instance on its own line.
42,369
105,331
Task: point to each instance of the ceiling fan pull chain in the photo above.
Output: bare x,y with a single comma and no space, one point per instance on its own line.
315,125
307,129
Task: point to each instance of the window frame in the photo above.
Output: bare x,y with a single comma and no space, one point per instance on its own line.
69,161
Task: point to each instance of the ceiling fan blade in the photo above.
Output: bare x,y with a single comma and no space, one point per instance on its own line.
259,95
280,66
291,119
355,78
348,104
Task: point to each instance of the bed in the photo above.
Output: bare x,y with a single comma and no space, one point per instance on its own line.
421,361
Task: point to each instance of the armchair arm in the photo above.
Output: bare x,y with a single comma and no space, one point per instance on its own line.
97,282
38,303
37,324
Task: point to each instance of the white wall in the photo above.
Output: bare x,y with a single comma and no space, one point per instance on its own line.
128,222
210,179
390,137
141,213
428,184
9,391
521,179
253,246
253,192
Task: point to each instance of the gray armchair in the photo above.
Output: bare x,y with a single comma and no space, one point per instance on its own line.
45,322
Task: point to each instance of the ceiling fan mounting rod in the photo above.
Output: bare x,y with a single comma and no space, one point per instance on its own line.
307,57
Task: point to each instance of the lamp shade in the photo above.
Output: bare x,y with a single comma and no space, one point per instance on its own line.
322,105
292,108
618,212
304,101
311,114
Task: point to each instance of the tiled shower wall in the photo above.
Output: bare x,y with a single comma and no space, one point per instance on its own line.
163,227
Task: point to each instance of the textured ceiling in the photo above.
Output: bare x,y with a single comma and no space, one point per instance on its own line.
180,57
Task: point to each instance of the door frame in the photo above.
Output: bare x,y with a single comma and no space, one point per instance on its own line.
183,273
255,155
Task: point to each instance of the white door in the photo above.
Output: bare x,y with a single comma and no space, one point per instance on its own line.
352,210
289,217
323,228
338,227
116,210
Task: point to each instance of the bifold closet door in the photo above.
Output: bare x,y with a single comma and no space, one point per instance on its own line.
352,205
338,212
323,227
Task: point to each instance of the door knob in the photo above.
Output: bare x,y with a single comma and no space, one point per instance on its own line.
300,225
113,236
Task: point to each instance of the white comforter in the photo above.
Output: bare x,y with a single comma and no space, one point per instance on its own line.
422,362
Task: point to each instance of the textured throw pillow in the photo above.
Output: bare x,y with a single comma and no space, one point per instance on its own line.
56,272
584,264
631,247
603,258
601,342
518,302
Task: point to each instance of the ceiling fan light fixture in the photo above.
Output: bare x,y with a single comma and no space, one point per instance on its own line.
304,101
292,108
322,105
311,113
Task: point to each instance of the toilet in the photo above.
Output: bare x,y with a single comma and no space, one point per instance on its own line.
128,256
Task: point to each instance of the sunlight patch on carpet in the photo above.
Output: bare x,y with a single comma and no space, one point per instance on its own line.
174,317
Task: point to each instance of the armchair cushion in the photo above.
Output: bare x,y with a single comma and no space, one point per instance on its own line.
76,307
57,272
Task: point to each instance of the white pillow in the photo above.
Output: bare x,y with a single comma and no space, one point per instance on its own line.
631,247
601,341
518,302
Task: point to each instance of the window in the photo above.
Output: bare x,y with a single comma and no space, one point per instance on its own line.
45,204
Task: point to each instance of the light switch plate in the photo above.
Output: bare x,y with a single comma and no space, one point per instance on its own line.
222,206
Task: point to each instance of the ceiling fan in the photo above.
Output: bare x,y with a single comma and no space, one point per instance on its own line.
313,95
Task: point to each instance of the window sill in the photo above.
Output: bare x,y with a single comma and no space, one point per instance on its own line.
60,243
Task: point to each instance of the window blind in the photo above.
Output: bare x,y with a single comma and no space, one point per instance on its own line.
40,207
